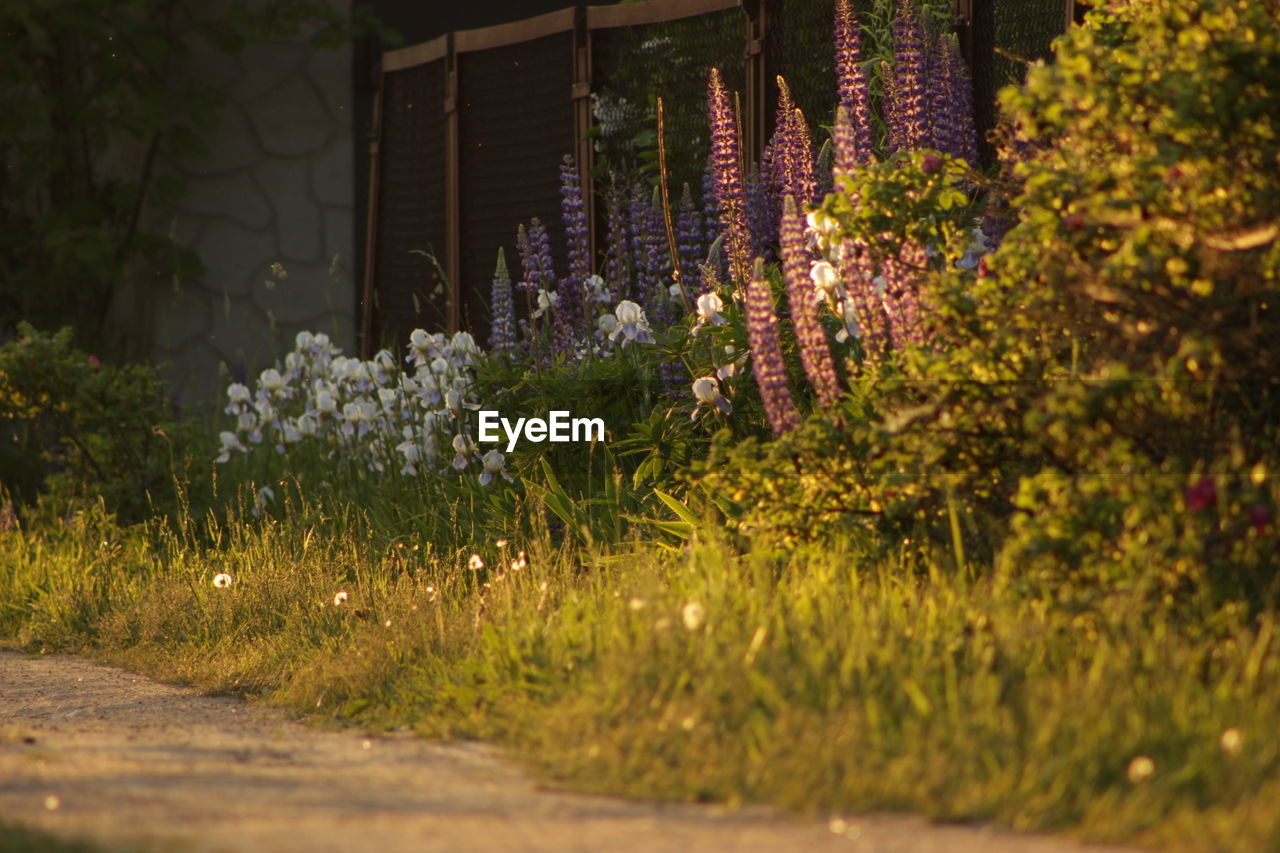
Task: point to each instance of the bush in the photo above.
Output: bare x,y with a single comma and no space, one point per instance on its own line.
82,428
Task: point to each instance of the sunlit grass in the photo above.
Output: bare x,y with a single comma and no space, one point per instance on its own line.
811,680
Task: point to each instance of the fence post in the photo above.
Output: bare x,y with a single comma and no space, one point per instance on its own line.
580,93
365,342
755,121
452,190
962,26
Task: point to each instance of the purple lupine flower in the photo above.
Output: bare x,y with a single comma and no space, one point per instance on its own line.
571,289
710,209
960,104
688,239
776,164
535,251
618,256
815,354
637,224
845,141
892,108
657,262
911,106
857,273
762,222
502,338
766,355
730,195
901,295
935,93
851,86
801,178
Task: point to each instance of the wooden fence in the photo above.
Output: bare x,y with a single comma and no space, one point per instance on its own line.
469,130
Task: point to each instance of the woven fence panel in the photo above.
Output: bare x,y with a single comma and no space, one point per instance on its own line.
1008,34
632,66
516,124
409,290
799,46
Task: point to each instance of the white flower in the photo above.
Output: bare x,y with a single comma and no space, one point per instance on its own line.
824,276
290,432
675,291
271,381
357,371
388,398
321,341
709,306
230,441
520,562
465,346
304,340
340,598
849,317
222,580
325,403
422,347
693,614
475,563
598,289
465,448
265,495
706,391
494,463
294,362
632,325
238,393
440,365
546,301
606,324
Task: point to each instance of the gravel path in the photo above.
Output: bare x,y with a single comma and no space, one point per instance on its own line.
96,752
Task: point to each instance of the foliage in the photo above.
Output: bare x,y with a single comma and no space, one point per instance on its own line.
818,679
83,428
90,105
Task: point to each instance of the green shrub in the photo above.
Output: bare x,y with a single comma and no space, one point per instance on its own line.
83,428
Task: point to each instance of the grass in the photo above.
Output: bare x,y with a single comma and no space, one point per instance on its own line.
810,680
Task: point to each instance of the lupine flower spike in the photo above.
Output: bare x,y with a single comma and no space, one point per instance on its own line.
810,336
573,298
503,336
766,355
851,87
730,196
911,109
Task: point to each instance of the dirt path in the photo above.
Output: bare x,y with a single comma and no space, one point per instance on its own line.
91,751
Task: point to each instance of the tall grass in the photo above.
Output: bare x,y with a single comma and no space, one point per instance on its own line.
809,679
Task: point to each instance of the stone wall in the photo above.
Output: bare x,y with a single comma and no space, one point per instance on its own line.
277,188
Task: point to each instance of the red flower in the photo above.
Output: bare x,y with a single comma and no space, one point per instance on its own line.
1259,517
1202,495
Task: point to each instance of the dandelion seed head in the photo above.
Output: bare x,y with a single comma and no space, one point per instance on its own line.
693,615
475,563
1141,769
1232,741
340,598
222,580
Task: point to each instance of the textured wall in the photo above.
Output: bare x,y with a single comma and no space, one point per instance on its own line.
276,188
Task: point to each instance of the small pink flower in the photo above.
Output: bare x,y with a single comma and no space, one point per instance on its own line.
1202,495
930,164
94,363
